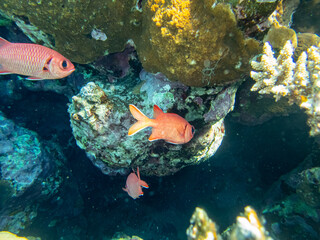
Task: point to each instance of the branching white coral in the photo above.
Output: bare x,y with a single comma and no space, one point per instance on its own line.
299,82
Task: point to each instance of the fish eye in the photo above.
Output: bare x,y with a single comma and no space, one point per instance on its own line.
192,130
64,64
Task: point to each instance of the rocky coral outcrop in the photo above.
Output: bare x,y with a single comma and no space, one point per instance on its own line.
292,203
29,174
195,42
81,30
100,120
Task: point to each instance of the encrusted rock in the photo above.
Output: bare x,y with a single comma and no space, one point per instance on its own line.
100,120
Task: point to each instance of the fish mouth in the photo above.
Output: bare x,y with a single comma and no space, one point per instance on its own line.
71,70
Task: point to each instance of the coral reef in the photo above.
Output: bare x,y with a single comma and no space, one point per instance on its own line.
195,43
69,25
292,203
10,236
4,22
201,227
253,109
116,65
29,173
307,17
21,158
100,121
309,186
278,35
299,82
122,236
305,40
248,227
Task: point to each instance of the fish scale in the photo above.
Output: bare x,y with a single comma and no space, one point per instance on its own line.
31,60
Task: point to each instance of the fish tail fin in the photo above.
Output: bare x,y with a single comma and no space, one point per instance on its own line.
143,120
3,42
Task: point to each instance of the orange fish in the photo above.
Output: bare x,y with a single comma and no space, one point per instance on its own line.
36,61
168,126
134,184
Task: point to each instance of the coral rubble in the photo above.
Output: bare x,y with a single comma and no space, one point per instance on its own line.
299,82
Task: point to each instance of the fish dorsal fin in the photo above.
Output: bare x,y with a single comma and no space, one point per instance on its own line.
3,42
156,111
138,173
141,182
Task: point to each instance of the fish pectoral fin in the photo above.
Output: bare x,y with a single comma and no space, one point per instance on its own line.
124,189
46,65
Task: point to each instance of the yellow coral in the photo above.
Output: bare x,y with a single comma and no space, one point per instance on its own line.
174,16
194,42
10,236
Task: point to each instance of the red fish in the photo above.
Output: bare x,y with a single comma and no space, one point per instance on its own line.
134,184
33,60
167,126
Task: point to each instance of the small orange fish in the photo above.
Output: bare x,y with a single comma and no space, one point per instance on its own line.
33,60
134,184
168,126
